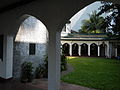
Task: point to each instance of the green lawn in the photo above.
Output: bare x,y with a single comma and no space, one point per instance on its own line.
98,73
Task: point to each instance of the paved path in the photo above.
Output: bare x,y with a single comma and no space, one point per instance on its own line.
37,84
42,83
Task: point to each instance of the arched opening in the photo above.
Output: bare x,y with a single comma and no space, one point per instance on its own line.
95,35
30,44
75,49
118,50
102,50
84,49
93,50
65,48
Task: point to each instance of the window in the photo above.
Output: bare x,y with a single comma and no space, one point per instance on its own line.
1,47
32,48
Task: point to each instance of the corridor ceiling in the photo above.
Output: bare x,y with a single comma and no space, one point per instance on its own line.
11,4
6,5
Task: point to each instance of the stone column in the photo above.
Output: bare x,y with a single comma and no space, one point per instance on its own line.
88,49
98,50
70,50
54,60
79,50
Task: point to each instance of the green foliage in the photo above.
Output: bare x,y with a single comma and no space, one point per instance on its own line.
98,73
42,70
45,74
63,62
26,72
63,65
95,24
39,71
113,15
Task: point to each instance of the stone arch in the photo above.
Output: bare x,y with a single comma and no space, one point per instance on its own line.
84,49
65,48
75,49
103,48
93,49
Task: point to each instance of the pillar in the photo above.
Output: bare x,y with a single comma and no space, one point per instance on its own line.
88,49
108,50
6,69
54,60
70,50
115,52
79,50
98,50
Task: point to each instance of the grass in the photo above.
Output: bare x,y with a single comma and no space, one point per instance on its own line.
98,73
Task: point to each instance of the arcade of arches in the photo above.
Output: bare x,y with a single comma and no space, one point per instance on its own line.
88,48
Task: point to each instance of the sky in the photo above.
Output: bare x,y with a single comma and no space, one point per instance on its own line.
76,20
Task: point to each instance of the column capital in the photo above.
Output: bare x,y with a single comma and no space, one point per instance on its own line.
98,45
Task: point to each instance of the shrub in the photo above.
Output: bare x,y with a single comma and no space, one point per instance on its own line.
63,62
26,72
39,71
45,74
42,70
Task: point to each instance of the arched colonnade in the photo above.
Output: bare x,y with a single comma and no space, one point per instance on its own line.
86,49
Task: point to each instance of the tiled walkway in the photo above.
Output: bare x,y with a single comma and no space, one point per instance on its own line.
38,84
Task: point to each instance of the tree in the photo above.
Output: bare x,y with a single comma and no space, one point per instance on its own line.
112,18
95,24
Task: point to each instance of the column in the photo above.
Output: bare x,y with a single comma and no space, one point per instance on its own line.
79,50
54,60
70,50
7,57
108,50
115,52
88,49
98,50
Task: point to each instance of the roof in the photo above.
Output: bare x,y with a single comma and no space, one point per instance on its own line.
92,36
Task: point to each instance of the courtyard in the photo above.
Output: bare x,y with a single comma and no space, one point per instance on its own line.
84,73
94,72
